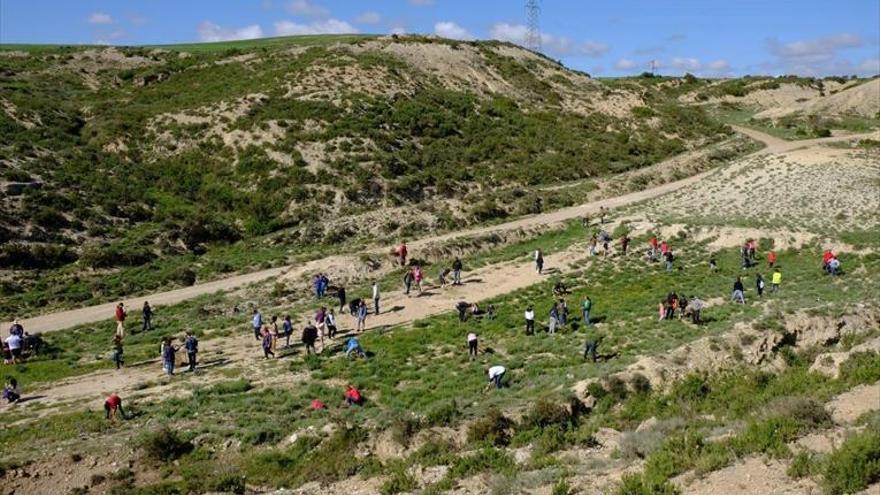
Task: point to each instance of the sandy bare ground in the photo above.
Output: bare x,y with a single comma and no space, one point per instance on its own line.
66,319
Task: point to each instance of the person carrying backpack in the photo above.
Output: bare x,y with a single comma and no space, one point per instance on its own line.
191,343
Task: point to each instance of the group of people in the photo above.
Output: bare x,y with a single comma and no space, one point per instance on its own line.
19,344
168,352
682,306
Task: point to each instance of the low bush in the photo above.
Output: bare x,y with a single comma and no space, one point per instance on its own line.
164,445
493,428
855,465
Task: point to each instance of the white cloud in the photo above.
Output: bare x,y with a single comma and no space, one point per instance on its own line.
449,29
550,43
100,18
397,30
686,63
625,64
718,65
593,48
330,26
307,8
208,31
369,18
815,56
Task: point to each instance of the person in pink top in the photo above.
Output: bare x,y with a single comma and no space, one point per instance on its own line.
418,275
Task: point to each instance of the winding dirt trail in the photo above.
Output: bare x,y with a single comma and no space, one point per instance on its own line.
66,319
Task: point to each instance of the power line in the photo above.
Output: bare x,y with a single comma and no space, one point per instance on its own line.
533,34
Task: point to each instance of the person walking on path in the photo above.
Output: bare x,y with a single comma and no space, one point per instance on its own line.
362,316
586,307
376,296
266,343
472,343
321,322
496,374
330,323
287,328
257,323
401,253
776,281
530,320
539,261
309,337
456,271
739,291
340,294
118,356
148,317
407,282
121,313
418,276
759,285
191,344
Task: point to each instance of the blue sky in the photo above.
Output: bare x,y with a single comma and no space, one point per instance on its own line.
603,37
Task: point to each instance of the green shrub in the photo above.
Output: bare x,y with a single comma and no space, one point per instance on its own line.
636,484
545,413
855,465
400,481
164,445
443,414
492,428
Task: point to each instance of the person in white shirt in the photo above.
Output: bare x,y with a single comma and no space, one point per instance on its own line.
472,345
530,320
496,373
376,296
14,343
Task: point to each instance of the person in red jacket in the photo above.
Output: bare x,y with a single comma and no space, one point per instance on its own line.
113,404
353,396
121,313
653,247
401,253
827,256
771,259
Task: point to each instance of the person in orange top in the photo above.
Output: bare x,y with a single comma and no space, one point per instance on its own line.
771,259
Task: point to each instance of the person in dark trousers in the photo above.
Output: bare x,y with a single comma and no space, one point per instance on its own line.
530,320
267,343
169,359
376,297
287,328
309,337
669,259
496,374
148,317
586,307
739,291
191,343
472,345
340,293
759,284
591,344
118,358
462,307
624,243
456,271
257,323
407,282
696,306
112,405
539,261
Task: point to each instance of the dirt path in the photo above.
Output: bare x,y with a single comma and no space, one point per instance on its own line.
778,145
65,319
243,351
